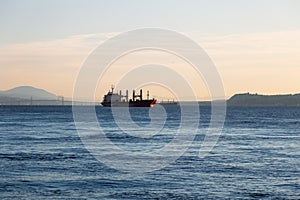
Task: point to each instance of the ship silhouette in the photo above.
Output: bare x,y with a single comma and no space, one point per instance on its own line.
118,100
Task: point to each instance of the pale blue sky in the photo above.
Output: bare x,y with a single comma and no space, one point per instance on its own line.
255,44
34,20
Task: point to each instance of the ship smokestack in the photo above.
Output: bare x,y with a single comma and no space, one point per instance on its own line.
126,95
141,94
147,95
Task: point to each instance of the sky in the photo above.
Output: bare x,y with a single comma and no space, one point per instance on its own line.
255,45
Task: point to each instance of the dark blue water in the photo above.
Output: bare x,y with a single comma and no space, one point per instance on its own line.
257,157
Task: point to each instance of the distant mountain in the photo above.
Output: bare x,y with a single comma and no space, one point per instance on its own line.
248,99
27,92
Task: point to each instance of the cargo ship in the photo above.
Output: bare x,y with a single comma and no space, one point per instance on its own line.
119,100
168,103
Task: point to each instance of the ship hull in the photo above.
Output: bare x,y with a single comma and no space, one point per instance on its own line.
143,103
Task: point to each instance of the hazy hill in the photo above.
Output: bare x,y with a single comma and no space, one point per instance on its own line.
27,92
248,99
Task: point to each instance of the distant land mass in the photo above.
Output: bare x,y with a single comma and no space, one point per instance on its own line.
248,99
28,92
28,95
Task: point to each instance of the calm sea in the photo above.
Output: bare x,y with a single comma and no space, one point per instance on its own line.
257,157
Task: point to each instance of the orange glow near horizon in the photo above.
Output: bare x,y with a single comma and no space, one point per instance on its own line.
266,63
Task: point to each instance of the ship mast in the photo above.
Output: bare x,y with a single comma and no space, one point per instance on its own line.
112,88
